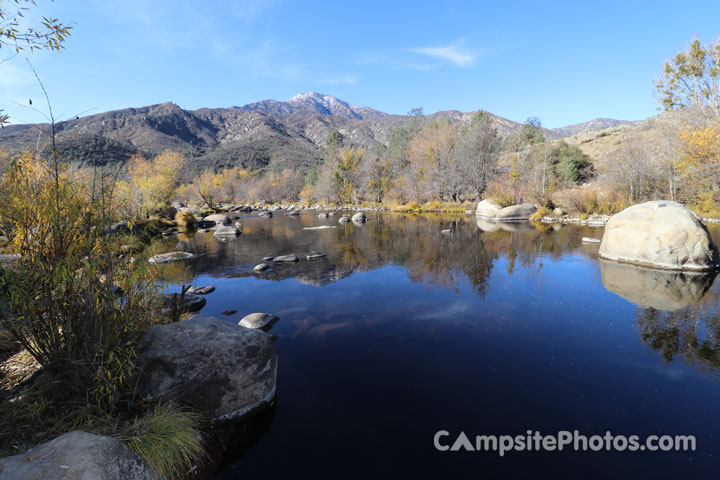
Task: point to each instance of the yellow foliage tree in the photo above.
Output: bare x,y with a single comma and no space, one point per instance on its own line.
150,184
699,160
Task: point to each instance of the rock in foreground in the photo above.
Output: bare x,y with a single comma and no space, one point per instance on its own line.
659,234
78,455
215,366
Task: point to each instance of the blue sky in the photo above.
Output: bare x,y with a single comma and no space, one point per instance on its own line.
565,62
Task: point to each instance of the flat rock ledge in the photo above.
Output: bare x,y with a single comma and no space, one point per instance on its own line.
659,234
78,455
170,257
217,367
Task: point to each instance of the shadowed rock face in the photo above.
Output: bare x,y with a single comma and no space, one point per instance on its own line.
659,234
78,455
658,289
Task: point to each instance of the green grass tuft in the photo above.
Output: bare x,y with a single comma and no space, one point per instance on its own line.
167,438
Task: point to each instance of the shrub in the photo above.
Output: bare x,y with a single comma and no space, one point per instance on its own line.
540,213
63,293
185,220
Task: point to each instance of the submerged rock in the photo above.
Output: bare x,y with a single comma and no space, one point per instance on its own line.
214,366
266,215
660,234
313,255
259,321
596,221
287,258
190,303
293,213
268,258
201,290
218,218
261,267
170,257
226,231
359,217
78,455
229,312
653,288
321,227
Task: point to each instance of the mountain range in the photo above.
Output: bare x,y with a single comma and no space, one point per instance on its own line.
269,132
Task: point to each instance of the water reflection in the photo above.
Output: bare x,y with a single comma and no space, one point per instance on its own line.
652,288
420,330
691,334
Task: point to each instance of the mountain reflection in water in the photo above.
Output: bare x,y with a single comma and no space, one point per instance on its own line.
492,328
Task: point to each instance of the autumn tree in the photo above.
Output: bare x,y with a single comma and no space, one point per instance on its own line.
479,152
433,169
339,178
692,79
151,183
698,164
634,171
377,169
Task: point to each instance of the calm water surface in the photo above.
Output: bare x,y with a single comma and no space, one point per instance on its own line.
403,331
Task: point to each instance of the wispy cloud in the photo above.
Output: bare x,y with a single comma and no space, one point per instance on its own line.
14,77
455,53
338,80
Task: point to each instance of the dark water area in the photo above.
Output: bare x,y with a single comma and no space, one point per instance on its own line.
402,331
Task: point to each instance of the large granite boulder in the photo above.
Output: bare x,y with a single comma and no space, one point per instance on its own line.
487,208
516,213
658,289
78,455
659,234
224,370
491,210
